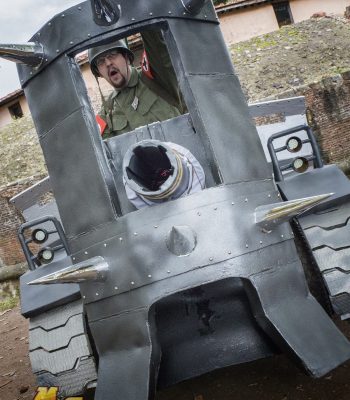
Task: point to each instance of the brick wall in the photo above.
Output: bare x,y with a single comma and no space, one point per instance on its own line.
10,219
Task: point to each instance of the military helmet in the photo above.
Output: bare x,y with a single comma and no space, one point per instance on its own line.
94,52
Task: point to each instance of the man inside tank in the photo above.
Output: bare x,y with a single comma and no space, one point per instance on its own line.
139,97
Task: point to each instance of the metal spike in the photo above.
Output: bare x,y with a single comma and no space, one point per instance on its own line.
31,54
274,214
94,269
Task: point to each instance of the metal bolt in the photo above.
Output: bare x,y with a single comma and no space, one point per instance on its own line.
185,13
233,203
211,259
84,297
115,287
168,272
62,15
269,195
46,59
155,226
261,242
246,200
278,195
247,245
73,258
151,13
169,12
120,239
135,233
132,282
79,8
205,16
85,252
97,294
49,23
105,244
71,42
282,236
150,276
39,33
229,252
57,51
132,19
30,73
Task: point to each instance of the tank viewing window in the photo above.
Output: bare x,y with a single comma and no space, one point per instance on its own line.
283,13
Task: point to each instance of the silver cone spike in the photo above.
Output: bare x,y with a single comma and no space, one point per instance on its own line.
31,54
274,214
94,269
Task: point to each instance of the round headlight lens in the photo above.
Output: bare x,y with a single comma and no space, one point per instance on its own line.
39,235
300,164
294,144
46,255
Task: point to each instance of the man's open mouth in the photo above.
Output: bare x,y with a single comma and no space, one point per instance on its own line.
113,73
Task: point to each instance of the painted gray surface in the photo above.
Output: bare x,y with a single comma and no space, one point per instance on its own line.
263,268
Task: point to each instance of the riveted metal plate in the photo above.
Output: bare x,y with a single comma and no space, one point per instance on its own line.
139,256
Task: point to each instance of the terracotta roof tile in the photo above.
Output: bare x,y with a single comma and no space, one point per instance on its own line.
11,96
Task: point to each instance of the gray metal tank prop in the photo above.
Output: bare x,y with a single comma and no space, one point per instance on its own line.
131,299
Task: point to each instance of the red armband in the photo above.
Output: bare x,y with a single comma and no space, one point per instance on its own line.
101,123
146,68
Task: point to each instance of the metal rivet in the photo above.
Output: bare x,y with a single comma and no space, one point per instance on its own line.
199,214
105,244
132,19
229,252
233,203
278,195
39,33
49,23
89,35
269,195
282,236
133,283
120,239
97,294
57,51
116,288
73,258
246,200
151,13
46,59
260,241
71,42
155,226
62,15
215,208
30,73
150,276
135,233
211,259
247,245
85,252
168,272
22,80
79,8
84,297
205,16
169,12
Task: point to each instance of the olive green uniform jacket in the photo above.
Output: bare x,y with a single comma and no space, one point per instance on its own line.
144,100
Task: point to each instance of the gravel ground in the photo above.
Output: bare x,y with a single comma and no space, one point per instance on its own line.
270,379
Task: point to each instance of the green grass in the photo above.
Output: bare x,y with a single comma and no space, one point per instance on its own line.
9,303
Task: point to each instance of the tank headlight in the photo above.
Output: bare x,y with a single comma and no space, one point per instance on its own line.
39,235
294,144
46,255
300,164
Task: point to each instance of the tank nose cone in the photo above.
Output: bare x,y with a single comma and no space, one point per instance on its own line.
31,54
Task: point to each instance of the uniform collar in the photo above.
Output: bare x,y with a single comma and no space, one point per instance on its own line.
133,81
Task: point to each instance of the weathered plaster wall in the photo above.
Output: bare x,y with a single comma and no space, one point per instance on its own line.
248,22
304,9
